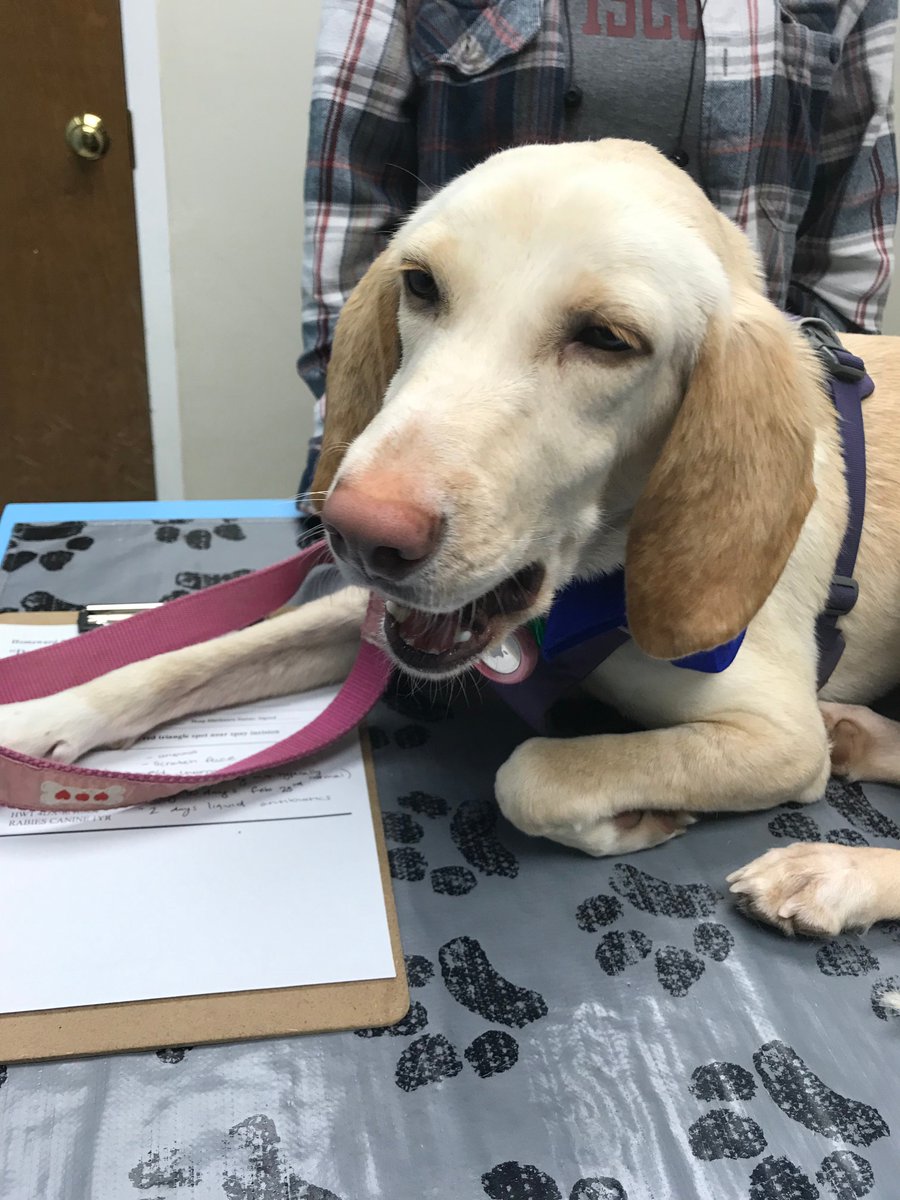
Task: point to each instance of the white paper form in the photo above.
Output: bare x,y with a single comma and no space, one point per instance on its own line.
268,882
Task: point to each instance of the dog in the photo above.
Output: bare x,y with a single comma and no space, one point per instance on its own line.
564,362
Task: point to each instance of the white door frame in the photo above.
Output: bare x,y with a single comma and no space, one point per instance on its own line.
142,84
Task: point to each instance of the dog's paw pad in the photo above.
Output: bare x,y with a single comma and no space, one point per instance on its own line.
846,1176
167,533
802,1097
622,949
18,558
407,864
780,1179
230,531
164,1169
595,912
259,1166
661,898
722,1081
475,984
678,970
453,881
174,1054
423,803
194,581
845,837
428,1059
49,533
198,539
492,1053
713,940
51,560
725,1134
805,1098
55,560
472,830
845,958
47,602
854,806
881,989
795,825
419,970
519,1181
400,827
598,1189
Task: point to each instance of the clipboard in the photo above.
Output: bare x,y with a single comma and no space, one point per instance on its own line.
222,1017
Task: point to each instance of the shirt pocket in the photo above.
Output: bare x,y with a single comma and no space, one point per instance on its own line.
468,36
806,53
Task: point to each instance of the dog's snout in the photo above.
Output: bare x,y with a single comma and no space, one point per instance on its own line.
388,538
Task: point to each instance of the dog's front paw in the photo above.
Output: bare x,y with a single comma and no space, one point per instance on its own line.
62,727
809,888
539,797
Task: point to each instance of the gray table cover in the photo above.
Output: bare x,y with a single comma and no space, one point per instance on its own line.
580,1030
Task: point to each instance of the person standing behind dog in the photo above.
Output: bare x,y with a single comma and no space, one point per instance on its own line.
780,111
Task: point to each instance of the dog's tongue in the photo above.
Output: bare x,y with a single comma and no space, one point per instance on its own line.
431,632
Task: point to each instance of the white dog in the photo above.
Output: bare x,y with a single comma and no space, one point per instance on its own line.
565,362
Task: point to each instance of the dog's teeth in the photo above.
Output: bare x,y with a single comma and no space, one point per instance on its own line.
397,611
464,635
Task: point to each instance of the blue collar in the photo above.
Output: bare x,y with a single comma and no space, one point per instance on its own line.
586,609
591,608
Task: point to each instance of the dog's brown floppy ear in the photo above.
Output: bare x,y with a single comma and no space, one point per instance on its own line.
364,357
725,502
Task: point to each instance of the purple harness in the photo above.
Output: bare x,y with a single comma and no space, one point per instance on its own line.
588,620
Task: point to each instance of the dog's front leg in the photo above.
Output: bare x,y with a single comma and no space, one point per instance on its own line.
819,889
614,793
308,647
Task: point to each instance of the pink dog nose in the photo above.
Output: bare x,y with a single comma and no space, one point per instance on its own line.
387,538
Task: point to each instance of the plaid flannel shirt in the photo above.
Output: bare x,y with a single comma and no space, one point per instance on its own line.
796,137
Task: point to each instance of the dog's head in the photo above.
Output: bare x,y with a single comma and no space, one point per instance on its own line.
564,362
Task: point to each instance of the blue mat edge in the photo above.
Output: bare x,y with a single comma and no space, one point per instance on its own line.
138,510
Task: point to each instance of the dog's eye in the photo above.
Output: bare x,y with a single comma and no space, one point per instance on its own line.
422,285
599,337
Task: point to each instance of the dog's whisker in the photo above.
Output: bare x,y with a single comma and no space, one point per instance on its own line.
308,538
406,171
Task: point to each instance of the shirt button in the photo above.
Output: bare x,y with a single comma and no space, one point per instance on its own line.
573,98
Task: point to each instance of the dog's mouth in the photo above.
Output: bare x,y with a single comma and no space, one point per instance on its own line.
432,643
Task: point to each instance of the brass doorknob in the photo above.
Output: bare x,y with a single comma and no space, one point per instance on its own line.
86,136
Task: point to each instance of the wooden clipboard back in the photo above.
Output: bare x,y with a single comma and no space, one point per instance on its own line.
224,1017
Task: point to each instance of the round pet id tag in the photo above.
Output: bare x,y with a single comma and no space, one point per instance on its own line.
512,661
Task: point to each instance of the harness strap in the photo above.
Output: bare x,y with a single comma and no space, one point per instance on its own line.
850,385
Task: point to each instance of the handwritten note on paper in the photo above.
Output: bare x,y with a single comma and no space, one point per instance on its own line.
19,639
271,881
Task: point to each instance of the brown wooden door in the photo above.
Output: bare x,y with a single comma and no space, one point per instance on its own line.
74,416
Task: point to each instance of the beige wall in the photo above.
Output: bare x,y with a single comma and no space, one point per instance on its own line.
235,80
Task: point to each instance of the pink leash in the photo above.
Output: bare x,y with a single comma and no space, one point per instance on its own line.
40,784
